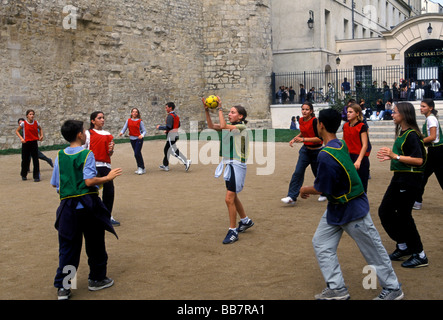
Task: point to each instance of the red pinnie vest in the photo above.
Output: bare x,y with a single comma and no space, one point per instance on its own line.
134,127
351,134
307,130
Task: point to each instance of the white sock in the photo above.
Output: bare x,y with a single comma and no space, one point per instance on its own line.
422,255
245,220
402,246
233,229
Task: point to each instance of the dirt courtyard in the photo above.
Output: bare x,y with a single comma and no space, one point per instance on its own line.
172,227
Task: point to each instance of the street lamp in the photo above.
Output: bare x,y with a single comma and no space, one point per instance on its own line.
337,61
311,19
429,29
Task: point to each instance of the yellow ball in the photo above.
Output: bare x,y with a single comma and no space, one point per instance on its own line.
211,102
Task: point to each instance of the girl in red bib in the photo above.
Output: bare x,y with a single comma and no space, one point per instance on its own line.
355,134
137,132
32,133
312,144
101,143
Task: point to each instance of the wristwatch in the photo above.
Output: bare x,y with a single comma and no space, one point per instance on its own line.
398,157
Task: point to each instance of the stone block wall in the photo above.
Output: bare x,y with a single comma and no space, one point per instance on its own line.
112,55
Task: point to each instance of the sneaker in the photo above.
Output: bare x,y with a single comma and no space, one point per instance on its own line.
114,222
187,164
140,171
99,285
288,200
417,205
398,254
322,198
242,227
63,294
24,178
390,294
164,168
231,237
37,180
333,294
415,262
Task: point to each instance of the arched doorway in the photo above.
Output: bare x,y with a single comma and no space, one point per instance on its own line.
424,62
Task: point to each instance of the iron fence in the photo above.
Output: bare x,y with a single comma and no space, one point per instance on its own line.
365,82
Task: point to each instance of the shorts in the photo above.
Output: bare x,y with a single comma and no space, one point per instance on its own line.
231,183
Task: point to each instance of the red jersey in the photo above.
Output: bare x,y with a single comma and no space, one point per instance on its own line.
30,131
134,127
308,129
99,145
176,120
352,137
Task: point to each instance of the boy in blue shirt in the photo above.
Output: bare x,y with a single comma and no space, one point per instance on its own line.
81,212
347,210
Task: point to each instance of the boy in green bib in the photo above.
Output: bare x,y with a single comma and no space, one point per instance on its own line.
81,212
347,210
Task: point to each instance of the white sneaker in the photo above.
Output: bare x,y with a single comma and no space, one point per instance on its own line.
187,164
140,171
288,200
417,205
164,168
322,198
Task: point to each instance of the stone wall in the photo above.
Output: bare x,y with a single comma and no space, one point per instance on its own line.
112,55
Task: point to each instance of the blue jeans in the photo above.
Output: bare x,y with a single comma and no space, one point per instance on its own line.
306,157
137,146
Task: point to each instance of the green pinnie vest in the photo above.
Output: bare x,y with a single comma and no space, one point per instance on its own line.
398,166
70,168
341,155
425,133
234,144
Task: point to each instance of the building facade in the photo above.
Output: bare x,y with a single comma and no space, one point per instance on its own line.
299,45
368,42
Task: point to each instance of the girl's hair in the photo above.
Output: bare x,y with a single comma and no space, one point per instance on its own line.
241,110
311,107
430,104
407,111
138,112
92,117
29,111
357,110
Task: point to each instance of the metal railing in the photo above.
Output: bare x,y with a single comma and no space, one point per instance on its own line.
366,82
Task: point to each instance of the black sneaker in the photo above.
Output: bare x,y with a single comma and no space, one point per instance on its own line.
63,294
398,254
231,237
242,227
415,262
99,285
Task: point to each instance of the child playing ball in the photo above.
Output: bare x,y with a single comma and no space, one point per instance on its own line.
234,152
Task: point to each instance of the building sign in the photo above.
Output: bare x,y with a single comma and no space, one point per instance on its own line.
425,54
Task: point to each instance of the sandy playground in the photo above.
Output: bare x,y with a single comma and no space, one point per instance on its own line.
172,227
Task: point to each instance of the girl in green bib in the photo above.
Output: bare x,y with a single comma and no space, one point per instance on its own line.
408,158
433,139
234,149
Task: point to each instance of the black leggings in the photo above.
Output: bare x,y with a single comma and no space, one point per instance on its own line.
434,164
108,188
395,213
30,150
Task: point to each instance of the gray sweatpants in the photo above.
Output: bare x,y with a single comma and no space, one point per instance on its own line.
367,238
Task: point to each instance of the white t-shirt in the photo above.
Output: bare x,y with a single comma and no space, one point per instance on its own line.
431,122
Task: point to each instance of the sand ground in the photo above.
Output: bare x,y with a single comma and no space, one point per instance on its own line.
172,227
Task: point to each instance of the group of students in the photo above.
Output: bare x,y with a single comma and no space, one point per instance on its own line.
341,170
78,171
